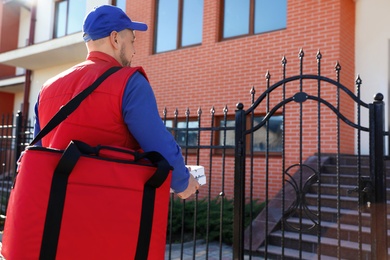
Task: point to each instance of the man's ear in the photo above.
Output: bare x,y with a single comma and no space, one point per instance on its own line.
114,36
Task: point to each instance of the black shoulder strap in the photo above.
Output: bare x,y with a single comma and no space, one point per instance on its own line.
72,104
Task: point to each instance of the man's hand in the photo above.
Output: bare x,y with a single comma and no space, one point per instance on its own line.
193,186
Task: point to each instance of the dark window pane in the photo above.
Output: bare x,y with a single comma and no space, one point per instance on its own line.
192,22
169,124
236,18
227,137
181,132
274,135
167,22
275,126
60,25
185,137
76,15
270,15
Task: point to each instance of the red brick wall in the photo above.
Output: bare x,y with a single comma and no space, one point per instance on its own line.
9,28
6,103
221,73
347,60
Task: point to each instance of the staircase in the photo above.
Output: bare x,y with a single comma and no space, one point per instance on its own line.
344,227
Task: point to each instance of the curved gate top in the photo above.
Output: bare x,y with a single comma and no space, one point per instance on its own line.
298,147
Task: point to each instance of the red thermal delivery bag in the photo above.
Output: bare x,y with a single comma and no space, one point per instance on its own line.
88,203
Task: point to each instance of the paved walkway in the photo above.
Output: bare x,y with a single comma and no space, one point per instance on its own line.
215,252
187,251
212,252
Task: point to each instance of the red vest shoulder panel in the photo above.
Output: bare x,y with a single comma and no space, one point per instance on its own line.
98,120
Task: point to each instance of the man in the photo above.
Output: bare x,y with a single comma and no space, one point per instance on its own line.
122,111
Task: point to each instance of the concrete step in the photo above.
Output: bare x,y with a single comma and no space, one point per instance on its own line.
342,189
333,201
329,246
344,216
348,159
334,230
344,179
346,169
275,252
352,159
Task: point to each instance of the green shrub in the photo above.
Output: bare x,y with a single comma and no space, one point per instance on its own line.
208,219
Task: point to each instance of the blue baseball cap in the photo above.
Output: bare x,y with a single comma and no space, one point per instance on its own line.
104,19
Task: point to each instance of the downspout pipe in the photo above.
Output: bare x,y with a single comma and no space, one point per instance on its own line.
27,82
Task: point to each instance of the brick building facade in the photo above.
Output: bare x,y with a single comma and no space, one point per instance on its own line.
219,72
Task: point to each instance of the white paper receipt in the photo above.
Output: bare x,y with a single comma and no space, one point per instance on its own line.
198,172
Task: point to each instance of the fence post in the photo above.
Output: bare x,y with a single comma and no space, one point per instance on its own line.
18,135
378,179
239,184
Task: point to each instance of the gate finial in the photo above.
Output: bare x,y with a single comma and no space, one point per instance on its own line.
319,56
337,67
378,97
301,54
225,110
199,111
253,91
267,75
212,110
284,61
358,80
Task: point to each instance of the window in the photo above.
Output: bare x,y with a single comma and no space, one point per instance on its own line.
183,136
179,24
120,3
275,126
69,16
247,17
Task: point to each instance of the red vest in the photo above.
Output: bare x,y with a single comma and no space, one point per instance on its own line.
98,120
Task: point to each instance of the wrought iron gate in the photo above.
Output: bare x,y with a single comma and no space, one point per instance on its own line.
323,197
331,202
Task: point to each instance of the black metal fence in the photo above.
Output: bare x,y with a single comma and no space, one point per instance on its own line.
289,153
204,219
15,133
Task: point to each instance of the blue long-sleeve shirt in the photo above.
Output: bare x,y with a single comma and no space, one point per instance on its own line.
140,113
